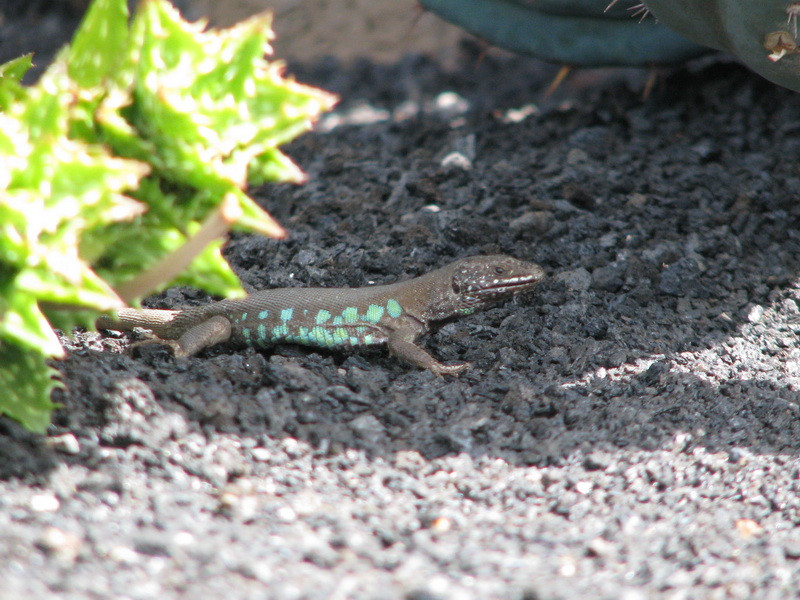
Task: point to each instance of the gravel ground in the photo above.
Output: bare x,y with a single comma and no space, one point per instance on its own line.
629,431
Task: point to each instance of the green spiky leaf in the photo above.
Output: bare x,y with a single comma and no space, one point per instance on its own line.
132,154
27,381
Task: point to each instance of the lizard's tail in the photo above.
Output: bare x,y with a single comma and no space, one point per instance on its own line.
127,319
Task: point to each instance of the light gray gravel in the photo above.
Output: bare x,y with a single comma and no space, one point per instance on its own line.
629,431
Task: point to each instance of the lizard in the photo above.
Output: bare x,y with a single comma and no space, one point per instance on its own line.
395,314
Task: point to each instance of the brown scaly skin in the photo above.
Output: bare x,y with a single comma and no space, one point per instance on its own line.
396,314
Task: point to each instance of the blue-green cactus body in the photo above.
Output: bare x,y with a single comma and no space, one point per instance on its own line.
762,33
577,32
743,28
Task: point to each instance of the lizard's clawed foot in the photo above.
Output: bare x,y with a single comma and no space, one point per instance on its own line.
173,345
442,369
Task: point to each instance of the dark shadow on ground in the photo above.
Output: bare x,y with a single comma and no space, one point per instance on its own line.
668,224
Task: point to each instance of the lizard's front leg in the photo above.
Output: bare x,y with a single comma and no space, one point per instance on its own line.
405,347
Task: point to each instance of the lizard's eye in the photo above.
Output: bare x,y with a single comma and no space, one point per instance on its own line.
500,270
456,285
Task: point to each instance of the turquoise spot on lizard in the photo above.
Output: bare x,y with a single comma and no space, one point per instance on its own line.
280,332
286,314
246,335
350,314
262,332
303,335
330,341
374,313
263,314
340,335
394,309
369,339
337,320
243,317
323,316
322,337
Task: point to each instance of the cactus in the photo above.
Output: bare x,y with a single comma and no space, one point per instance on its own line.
761,33
578,32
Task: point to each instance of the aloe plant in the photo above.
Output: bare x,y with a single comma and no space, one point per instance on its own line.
122,169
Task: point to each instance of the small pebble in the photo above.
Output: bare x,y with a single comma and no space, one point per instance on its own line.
44,503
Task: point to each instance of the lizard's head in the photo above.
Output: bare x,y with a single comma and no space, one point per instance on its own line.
480,280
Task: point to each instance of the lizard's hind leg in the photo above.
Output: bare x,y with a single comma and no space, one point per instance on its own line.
205,334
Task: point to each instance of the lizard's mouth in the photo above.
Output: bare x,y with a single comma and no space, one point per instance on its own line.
512,286
516,283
